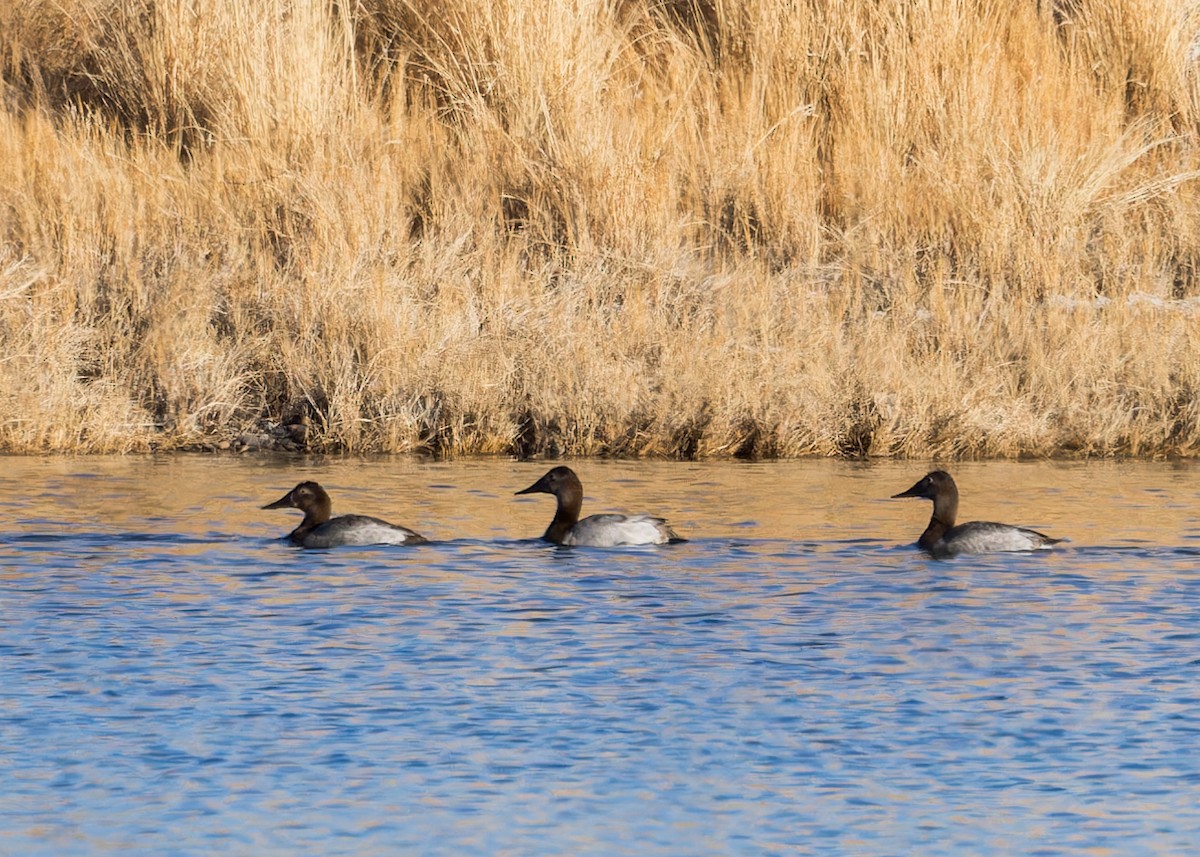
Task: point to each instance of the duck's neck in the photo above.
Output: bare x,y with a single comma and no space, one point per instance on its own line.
314,516
566,515
945,511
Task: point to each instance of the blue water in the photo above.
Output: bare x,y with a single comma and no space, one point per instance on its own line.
796,679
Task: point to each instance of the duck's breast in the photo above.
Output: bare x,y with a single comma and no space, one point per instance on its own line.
988,537
359,530
606,531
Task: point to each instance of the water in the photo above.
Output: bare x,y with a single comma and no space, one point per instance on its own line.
797,679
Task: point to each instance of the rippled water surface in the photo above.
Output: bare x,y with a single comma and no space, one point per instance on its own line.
796,679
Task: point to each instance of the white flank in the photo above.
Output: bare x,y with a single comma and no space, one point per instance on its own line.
607,531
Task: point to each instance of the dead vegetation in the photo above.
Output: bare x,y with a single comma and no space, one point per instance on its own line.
601,228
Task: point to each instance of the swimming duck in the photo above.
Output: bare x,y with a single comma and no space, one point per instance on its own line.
595,530
943,539
318,530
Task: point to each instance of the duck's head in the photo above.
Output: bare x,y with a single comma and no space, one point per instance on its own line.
307,496
933,485
559,481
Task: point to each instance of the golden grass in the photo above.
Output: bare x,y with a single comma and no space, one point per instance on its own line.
633,227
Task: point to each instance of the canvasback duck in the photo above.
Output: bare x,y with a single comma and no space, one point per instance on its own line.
604,531
318,530
943,539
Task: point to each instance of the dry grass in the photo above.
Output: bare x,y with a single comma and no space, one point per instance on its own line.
634,227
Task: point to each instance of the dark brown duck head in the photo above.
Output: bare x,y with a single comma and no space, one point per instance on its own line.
567,489
933,486
311,499
939,487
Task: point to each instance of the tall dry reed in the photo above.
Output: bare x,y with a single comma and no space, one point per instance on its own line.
670,227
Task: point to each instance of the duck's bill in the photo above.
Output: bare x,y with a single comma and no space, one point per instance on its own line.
538,487
284,502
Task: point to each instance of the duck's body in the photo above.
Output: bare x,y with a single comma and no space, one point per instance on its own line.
603,531
984,537
319,530
942,538
354,530
609,530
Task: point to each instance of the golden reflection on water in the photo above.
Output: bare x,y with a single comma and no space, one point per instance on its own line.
215,497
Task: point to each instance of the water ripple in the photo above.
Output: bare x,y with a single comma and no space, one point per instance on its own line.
189,693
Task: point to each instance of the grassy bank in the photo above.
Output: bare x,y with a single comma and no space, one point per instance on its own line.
681,227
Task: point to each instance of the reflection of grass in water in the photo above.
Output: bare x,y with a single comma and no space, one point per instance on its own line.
637,228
